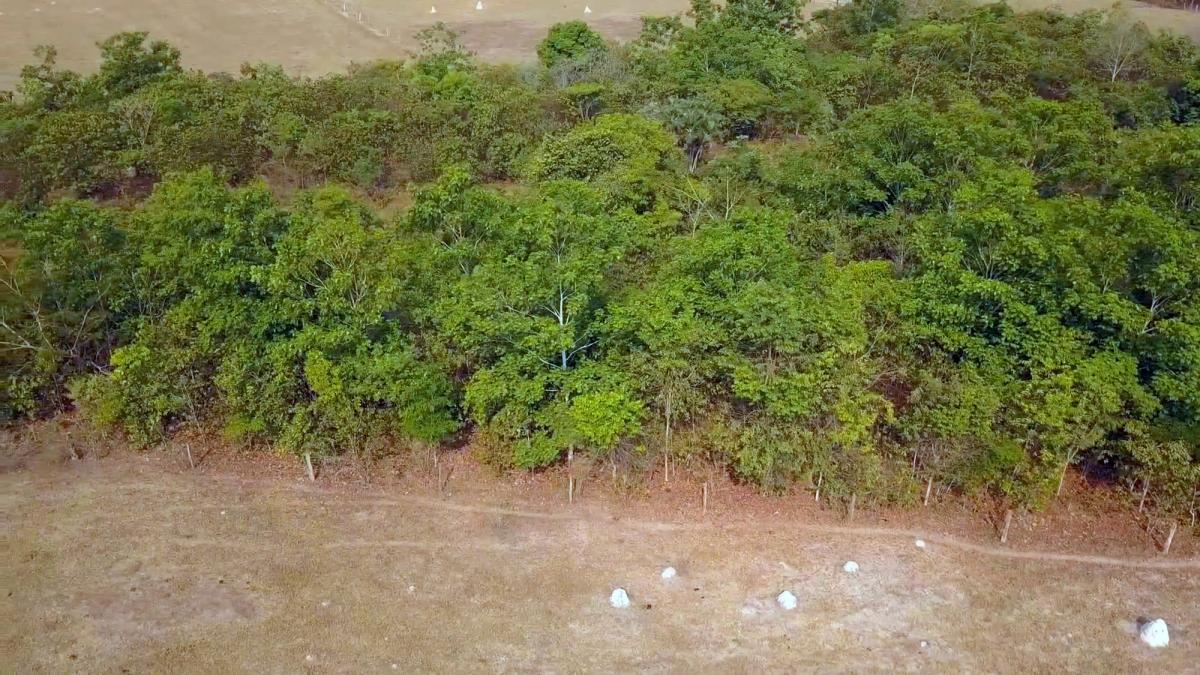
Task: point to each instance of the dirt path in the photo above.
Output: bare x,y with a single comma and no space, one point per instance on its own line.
873,533
117,564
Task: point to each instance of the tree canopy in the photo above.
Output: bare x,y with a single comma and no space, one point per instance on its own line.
896,243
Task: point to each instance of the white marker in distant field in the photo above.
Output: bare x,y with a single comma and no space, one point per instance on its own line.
587,10
619,598
479,6
432,9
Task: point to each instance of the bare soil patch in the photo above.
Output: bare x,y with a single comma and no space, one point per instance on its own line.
135,561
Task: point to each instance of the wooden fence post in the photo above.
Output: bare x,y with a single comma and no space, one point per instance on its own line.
1007,523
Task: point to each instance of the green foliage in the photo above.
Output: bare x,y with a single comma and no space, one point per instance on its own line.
627,154
77,150
46,88
612,145
696,121
58,305
127,63
942,242
569,41
1168,471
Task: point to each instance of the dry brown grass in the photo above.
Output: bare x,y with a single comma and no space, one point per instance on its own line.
136,563
311,37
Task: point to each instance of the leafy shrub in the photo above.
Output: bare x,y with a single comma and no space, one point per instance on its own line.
572,40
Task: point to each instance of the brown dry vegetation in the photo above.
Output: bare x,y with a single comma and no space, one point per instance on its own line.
138,563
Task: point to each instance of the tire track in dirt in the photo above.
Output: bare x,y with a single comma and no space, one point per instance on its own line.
431,503
880,532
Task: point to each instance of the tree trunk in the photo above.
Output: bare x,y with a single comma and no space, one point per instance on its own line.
312,476
1170,538
667,444
1062,477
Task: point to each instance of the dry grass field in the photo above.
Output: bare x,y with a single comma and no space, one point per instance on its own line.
305,36
137,563
313,37
1155,17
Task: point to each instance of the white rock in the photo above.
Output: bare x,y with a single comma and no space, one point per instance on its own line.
619,598
786,600
850,567
668,573
1155,633
920,543
479,6
412,589
310,658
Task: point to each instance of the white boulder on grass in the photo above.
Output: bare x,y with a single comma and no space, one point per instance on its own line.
786,600
920,543
1155,633
669,573
850,567
619,598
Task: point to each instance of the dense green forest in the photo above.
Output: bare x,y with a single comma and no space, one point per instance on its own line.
892,244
